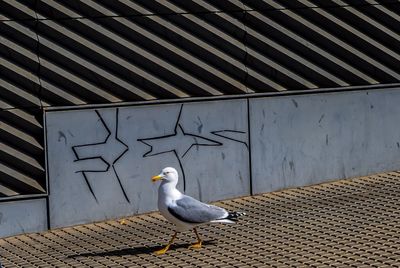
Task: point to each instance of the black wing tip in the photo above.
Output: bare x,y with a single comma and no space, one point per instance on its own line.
234,216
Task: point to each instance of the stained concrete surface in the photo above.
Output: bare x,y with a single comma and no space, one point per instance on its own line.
347,223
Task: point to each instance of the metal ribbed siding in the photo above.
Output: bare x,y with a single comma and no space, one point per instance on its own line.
79,52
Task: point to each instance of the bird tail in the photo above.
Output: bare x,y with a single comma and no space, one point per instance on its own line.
231,218
234,216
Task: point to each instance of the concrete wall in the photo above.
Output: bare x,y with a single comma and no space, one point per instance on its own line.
70,53
23,216
100,161
308,139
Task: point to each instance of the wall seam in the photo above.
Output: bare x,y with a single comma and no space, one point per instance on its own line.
249,150
38,71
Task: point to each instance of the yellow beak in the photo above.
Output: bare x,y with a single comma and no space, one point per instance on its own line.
156,178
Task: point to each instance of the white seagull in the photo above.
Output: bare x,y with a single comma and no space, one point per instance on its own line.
184,211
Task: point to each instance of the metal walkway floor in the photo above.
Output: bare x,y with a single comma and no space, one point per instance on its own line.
348,223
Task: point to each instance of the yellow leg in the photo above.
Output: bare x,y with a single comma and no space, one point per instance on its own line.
163,250
198,243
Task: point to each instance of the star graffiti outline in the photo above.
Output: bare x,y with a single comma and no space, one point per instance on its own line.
199,141
112,164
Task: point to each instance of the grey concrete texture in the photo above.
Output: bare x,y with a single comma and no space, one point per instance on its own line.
101,161
309,139
22,216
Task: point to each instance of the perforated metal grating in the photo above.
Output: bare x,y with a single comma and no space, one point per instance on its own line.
348,223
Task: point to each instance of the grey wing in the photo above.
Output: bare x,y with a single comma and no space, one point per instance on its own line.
190,210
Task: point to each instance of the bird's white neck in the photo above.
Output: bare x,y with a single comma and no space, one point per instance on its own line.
168,190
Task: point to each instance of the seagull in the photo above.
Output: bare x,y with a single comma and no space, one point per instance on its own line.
184,211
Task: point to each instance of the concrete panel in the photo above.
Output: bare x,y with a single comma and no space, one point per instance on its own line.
24,216
100,161
307,139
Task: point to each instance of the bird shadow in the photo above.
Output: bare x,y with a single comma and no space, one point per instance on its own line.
136,250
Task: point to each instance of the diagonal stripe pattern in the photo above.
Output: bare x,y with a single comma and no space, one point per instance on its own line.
56,53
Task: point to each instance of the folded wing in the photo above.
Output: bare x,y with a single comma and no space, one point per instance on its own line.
190,210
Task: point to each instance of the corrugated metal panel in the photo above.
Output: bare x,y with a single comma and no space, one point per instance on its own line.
82,52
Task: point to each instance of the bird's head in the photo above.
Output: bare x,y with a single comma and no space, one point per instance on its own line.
168,174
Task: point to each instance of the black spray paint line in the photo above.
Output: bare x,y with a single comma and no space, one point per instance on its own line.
161,137
178,126
148,153
96,157
217,133
183,171
175,132
216,143
74,149
126,150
